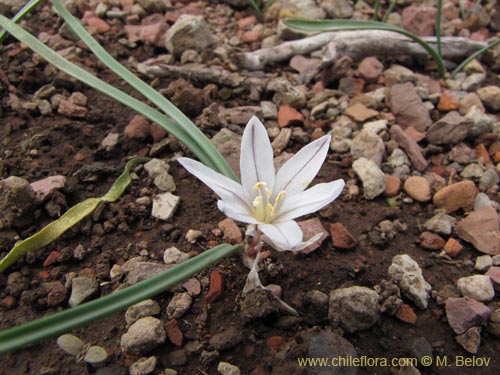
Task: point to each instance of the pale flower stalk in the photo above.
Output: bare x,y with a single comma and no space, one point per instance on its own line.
267,200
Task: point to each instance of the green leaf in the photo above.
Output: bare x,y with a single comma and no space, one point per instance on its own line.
73,216
28,7
208,152
27,334
336,25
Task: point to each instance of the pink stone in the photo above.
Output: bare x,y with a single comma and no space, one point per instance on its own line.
456,196
480,228
216,287
44,187
68,108
310,228
100,25
174,333
341,237
232,232
137,128
287,114
463,313
370,68
494,274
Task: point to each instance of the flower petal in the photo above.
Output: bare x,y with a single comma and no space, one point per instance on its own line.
309,201
228,190
256,160
298,172
287,235
230,211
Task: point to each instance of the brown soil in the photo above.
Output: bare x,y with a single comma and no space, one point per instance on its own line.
59,139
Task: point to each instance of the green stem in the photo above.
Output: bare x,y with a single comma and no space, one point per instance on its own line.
27,334
473,56
438,27
389,10
376,9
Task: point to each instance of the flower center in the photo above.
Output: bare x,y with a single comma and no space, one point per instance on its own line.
263,209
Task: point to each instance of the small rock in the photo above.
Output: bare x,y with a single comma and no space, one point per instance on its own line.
463,313
406,273
137,128
458,195
232,232
95,355
144,366
431,241
370,68
418,188
174,256
193,235
178,305
174,333
354,308
310,228
478,287
287,115
490,95
419,20
176,358
192,286
368,145
488,180
406,314
98,24
410,146
483,262
216,287
281,141
188,32
408,108
82,288
226,339
17,200
372,177
470,340
450,129
142,336
158,170
140,310
43,188
225,368
452,247
164,205
480,228
448,102
341,237
69,109
70,344
139,270
440,223
360,113
56,295
494,274
392,186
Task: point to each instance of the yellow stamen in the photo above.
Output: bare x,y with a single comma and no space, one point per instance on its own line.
264,210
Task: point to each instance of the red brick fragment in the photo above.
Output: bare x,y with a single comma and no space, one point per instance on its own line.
216,287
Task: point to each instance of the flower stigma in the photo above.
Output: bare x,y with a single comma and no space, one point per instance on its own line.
264,210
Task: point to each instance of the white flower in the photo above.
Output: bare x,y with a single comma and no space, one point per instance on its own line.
268,200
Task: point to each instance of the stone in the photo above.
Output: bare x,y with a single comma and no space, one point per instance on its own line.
288,115
216,288
406,273
483,262
242,114
450,129
173,255
138,270
174,333
175,358
371,176
326,344
226,368
165,205
494,274
70,109
56,295
307,9
354,308
227,339
82,289
452,247
137,128
408,108
490,96
310,228
481,229
342,238
463,313
338,8
281,141
419,20
448,102
232,233
360,113
368,145
178,305
188,32
406,314
303,64
71,344
440,223
470,339
468,101
43,188
411,147
459,195
370,68
17,200
140,310
418,188
158,170
144,366
152,6
431,241
142,336
95,355
98,24
392,186
478,287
